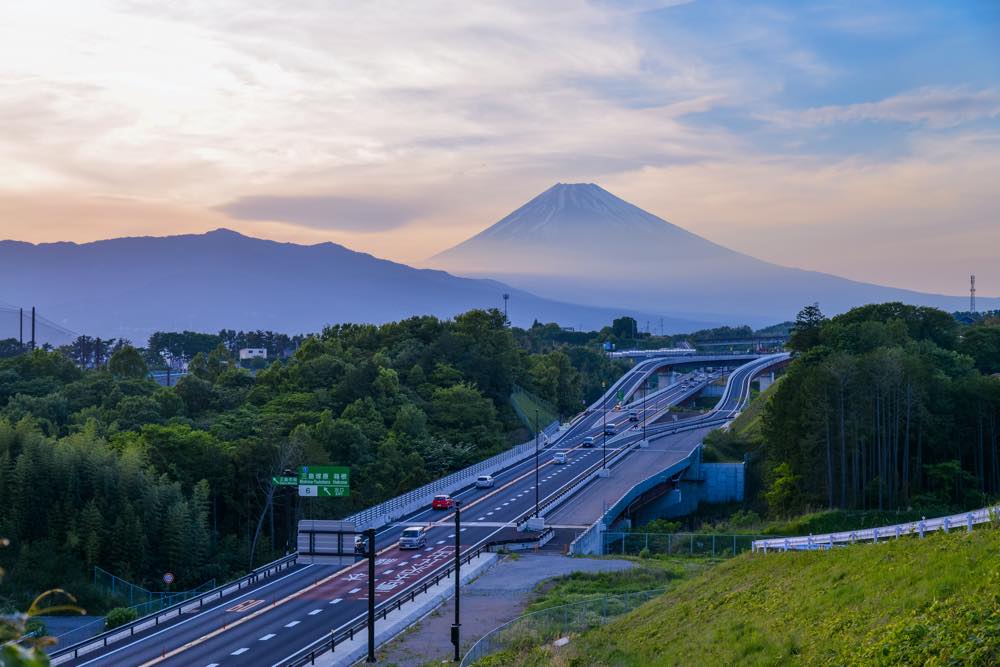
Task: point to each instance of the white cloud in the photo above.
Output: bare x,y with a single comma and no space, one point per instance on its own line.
936,107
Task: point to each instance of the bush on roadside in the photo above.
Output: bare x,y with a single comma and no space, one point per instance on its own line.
119,616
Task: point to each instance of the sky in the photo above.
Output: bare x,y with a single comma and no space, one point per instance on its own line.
861,139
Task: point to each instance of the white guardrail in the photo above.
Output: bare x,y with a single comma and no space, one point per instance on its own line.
400,506
827,541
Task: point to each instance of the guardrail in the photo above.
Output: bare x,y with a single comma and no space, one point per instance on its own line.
398,507
965,520
153,620
308,655
591,537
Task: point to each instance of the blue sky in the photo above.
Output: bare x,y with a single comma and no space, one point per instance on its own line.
786,130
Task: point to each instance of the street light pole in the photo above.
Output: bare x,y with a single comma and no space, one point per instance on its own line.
604,424
536,464
644,410
456,628
370,548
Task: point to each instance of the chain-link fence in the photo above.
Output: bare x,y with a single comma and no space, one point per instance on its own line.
677,544
543,626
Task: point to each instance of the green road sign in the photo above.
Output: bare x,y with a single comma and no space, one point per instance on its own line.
621,395
285,480
324,481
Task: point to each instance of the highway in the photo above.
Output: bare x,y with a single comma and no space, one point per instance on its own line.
269,622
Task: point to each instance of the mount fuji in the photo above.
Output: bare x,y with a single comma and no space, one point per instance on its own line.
580,243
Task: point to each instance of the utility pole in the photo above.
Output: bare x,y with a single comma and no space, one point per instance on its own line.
370,548
456,628
972,293
536,464
20,327
32,328
506,298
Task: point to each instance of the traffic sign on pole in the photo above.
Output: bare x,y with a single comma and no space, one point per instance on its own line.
324,481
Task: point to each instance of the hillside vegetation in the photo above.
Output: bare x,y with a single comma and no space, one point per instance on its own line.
931,601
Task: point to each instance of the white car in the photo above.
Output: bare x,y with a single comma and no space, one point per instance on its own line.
559,458
413,537
484,482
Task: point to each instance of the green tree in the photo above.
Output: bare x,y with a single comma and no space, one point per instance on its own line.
127,362
806,332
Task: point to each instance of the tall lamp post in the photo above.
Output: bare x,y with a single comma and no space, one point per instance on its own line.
456,628
536,464
604,423
371,553
643,409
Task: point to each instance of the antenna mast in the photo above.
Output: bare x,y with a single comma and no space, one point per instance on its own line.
972,293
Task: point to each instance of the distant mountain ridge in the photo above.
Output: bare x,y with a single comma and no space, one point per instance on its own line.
580,243
133,286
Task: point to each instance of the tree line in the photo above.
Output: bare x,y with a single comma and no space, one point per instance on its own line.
99,465
887,406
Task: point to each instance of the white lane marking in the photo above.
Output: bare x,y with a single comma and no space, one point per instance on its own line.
336,600
293,623
429,549
212,664
239,651
315,611
387,571
207,611
482,518
463,530
415,556
266,637
440,542
451,536
353,591
489,514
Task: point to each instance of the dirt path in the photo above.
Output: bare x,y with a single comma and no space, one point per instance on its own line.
498,596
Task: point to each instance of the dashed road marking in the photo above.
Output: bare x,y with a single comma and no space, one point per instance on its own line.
354,590
440,541
315,611
239,651
336,600
266,637
294,623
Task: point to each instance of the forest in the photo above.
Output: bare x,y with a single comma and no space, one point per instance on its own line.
101,466
887,406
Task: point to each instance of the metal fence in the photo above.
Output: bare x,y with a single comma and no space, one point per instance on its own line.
138,598
194,603
543,626
965,520
395,508
678,544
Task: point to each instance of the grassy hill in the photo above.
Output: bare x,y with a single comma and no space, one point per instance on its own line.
932,601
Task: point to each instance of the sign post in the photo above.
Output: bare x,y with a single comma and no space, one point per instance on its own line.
324,481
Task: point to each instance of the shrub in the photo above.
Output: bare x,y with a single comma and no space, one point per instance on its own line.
119,616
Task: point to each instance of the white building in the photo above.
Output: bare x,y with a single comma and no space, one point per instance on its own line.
253,353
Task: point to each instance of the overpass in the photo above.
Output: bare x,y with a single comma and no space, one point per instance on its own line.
290,611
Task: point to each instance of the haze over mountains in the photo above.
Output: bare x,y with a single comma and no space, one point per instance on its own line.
130,287
580,243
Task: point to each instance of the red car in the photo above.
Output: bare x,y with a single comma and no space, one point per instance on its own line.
442,503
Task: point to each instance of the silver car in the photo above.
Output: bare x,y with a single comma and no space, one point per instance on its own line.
484,482
413,537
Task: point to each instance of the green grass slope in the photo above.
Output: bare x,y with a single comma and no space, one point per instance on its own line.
934,601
